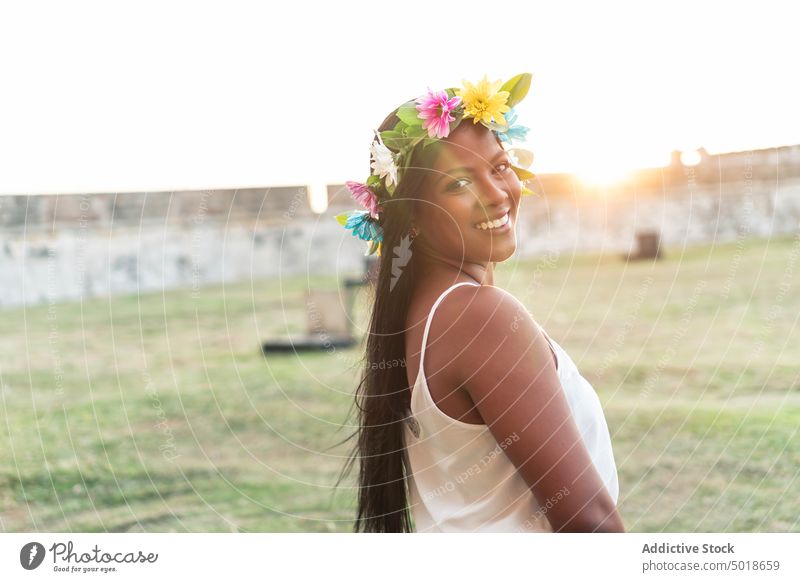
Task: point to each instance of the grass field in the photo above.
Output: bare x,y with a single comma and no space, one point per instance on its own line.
159,413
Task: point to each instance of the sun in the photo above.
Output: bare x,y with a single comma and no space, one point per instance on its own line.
602,174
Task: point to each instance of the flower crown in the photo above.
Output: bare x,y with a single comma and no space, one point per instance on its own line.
426,120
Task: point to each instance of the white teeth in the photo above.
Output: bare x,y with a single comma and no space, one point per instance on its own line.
493,224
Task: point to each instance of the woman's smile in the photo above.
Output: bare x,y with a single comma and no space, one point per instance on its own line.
501,225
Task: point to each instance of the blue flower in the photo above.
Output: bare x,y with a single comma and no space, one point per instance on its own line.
514,132
364,226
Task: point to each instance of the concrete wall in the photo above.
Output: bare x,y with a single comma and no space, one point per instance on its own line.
720,199
66,247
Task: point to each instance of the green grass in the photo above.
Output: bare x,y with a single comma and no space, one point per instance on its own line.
159,413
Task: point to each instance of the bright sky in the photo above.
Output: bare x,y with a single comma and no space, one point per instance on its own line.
188,95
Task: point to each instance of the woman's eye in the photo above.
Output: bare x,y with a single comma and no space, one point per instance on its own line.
458,184
462,182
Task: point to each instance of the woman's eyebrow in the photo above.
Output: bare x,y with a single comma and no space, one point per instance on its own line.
452,171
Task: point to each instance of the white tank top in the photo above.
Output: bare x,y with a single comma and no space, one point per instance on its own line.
460,480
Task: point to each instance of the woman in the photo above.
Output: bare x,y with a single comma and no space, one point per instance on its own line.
488,426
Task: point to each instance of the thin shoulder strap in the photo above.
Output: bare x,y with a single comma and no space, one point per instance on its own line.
430,318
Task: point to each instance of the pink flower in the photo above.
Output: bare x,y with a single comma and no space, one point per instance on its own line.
365,196
434,109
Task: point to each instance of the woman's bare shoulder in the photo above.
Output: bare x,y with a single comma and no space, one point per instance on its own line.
482,320
487,310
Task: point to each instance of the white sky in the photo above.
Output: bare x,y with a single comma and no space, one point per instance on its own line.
151,96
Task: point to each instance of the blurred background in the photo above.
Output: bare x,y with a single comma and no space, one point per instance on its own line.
182,319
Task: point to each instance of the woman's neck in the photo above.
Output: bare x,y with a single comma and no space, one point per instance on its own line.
482,273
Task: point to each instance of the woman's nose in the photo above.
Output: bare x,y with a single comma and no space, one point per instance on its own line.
492,190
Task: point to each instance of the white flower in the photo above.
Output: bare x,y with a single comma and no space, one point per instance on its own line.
512,156
383,161
520,157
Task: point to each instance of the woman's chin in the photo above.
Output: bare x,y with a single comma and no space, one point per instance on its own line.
503,250
498,257
498,254
498,246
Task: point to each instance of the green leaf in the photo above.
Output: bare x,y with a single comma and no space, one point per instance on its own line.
522,174
416,131
411,136
373,180
409,115
392,139
517,87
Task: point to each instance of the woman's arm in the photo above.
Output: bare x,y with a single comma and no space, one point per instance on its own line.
510,374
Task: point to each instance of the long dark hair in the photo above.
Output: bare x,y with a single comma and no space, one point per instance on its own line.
382,398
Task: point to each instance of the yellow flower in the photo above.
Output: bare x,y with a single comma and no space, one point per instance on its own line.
483,101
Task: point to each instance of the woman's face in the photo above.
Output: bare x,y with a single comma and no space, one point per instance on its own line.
470,190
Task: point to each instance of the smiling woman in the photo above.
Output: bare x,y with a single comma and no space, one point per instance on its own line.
488,426
469,204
